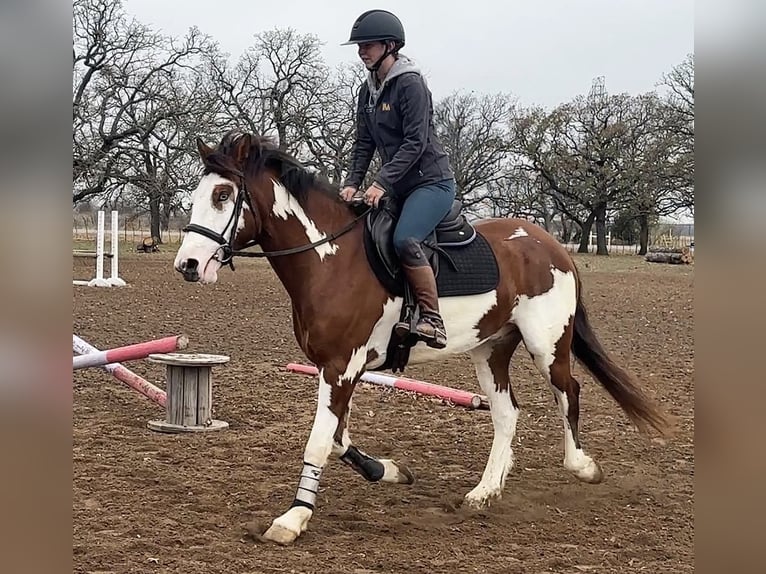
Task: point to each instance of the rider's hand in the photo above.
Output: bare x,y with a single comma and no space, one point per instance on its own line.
347,193
373,194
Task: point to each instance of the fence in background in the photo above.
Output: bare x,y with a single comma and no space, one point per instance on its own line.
134,230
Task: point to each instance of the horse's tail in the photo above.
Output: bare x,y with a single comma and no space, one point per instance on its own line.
620,384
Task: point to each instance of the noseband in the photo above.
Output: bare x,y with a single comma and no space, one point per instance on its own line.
226,245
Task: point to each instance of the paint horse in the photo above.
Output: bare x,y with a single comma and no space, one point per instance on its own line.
253,193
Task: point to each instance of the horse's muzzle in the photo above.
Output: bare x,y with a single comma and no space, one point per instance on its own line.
189,268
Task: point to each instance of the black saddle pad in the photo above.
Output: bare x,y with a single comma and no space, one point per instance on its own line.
475,270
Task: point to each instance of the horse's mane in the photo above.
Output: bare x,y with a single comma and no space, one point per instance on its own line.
264,153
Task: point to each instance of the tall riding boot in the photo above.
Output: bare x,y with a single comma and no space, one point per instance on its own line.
430,326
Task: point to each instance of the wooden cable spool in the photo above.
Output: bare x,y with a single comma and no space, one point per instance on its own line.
189,405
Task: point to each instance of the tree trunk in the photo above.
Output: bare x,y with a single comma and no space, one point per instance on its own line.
643,234
167,208
585,233
154,215
683,258
601,247
566,230
546,220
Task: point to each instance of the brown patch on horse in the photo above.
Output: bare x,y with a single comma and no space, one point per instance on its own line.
221,192
499,362
525,264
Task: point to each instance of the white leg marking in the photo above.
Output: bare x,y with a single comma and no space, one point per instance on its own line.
575,459
504,418
287,527
390,470
285,205
355,367
340,449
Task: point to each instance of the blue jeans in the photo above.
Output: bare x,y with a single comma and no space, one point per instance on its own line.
422,211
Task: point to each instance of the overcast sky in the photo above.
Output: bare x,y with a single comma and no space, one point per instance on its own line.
542,51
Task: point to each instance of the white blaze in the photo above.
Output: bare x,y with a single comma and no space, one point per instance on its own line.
206,214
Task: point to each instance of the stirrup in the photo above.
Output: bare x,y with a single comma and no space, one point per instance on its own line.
402,329
437,339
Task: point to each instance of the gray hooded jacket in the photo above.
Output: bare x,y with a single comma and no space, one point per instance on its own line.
396,119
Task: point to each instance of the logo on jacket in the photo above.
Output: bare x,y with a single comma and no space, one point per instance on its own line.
384,107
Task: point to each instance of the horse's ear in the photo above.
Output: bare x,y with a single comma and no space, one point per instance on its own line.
242,148
203,149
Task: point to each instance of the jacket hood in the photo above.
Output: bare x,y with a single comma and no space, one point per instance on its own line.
402,65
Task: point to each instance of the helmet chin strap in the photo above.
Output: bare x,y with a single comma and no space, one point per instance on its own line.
376,66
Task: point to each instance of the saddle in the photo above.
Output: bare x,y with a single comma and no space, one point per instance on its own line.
462,260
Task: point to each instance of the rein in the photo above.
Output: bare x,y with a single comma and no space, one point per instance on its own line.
301,248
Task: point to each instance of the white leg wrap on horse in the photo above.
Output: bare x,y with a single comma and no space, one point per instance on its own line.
308,485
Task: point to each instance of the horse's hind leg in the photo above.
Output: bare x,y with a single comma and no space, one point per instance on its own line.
491,361
552,359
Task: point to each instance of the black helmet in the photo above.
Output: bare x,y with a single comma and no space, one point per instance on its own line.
376,25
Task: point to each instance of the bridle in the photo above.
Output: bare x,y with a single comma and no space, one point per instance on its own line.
226,244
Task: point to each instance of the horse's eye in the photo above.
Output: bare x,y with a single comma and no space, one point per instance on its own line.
223,196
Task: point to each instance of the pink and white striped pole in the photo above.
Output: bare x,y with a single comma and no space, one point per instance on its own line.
123,374
457,396
130,352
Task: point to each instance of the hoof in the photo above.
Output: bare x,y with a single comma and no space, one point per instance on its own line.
396,473
478,503
480,499
591,473
405,476
280,535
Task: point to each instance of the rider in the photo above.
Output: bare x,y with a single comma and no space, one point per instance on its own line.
395,117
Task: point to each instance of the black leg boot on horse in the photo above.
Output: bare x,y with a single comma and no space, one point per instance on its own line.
420,276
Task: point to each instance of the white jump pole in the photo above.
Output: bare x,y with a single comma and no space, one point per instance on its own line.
99,280
114,280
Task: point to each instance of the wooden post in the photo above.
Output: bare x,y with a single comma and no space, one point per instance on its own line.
189,406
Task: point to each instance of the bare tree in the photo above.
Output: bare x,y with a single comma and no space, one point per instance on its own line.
679,121
328,126
587,153
125,88
474,131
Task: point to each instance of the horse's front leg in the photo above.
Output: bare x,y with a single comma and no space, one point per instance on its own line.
371,468
335,388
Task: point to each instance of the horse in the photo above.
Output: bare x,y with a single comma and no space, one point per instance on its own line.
253,193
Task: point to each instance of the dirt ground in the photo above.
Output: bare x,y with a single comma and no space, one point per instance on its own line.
146,502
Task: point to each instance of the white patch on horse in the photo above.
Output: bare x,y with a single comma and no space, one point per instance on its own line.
325,422
543,318
285,205
518,233
504,418
206,214
355,367
461,317
575,459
